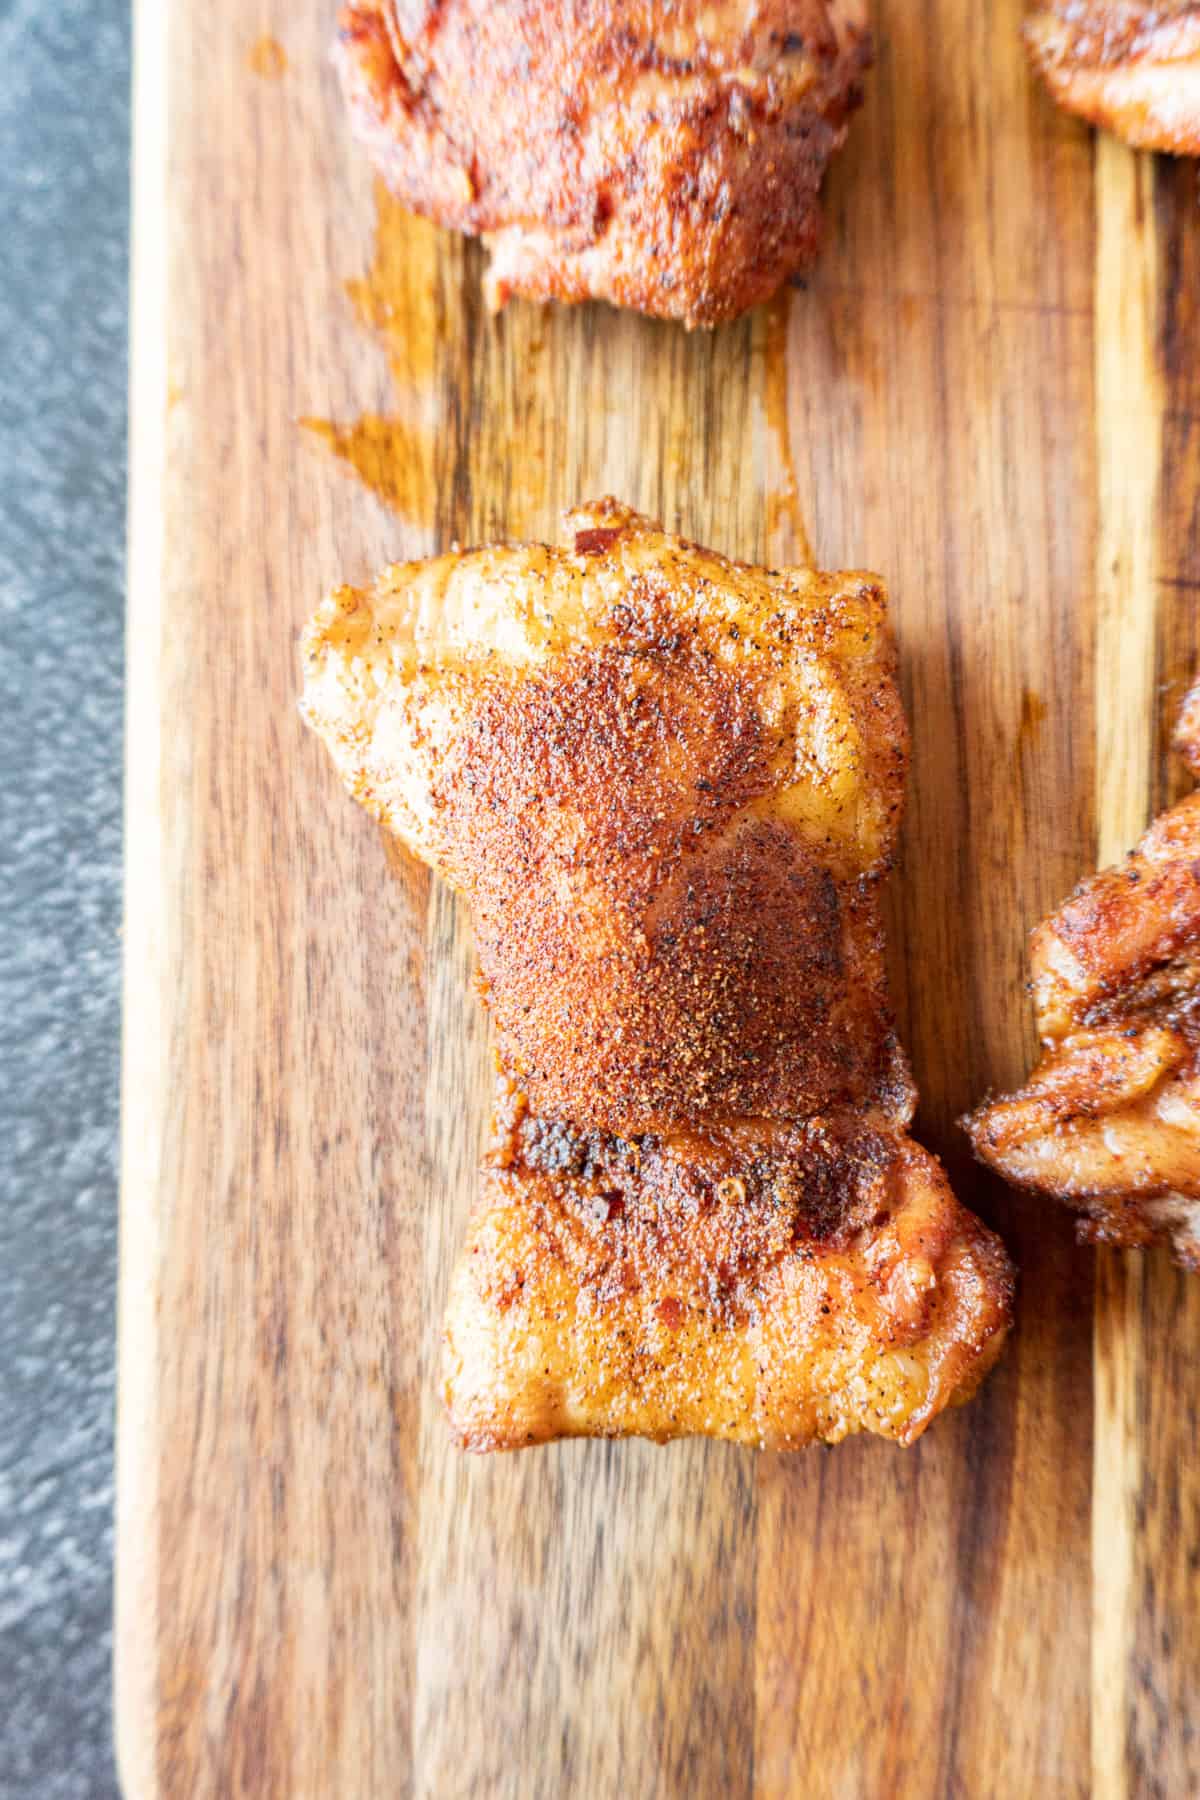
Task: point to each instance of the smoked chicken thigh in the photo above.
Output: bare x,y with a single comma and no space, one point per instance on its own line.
666,157
669,786
1131,66
1109,1121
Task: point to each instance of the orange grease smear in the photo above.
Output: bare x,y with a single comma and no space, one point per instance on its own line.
783,505
1033,712
395,301
268,58
385,453
395,296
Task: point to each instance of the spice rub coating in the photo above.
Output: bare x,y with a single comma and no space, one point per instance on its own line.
1109,1121
773,1285
1131,66
666,158
669,785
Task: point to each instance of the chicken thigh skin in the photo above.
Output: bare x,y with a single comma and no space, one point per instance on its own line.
1130,66
1109,1121
665,157
669,786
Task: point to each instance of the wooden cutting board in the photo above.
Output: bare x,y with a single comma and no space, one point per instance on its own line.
990,392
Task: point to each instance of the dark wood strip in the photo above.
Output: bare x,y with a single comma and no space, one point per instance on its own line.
923,1617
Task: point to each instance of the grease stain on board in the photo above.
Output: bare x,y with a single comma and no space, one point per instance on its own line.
267,57
395,300
1033,714
783,499
416,299
388,455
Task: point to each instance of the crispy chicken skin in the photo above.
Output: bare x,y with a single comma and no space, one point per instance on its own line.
1132,66
1110,1119
766,1283
669,785
666,157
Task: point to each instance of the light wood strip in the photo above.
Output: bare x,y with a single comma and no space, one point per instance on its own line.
284,1470
1129,416
1128,433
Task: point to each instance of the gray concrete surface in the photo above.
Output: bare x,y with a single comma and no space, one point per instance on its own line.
64,142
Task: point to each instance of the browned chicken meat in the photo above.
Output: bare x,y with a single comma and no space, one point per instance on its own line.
1132,66
1110,1119
666,155
669,785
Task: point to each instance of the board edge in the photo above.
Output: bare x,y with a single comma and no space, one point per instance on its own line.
135,1584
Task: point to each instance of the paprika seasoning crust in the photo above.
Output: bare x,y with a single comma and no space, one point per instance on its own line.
665,158
1109,1121
1130,66
669,786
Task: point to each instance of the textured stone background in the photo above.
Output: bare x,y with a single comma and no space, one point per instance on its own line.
64,144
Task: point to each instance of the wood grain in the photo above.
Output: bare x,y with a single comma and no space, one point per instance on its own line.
961,1571
1146,1500
990,390
1129,417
